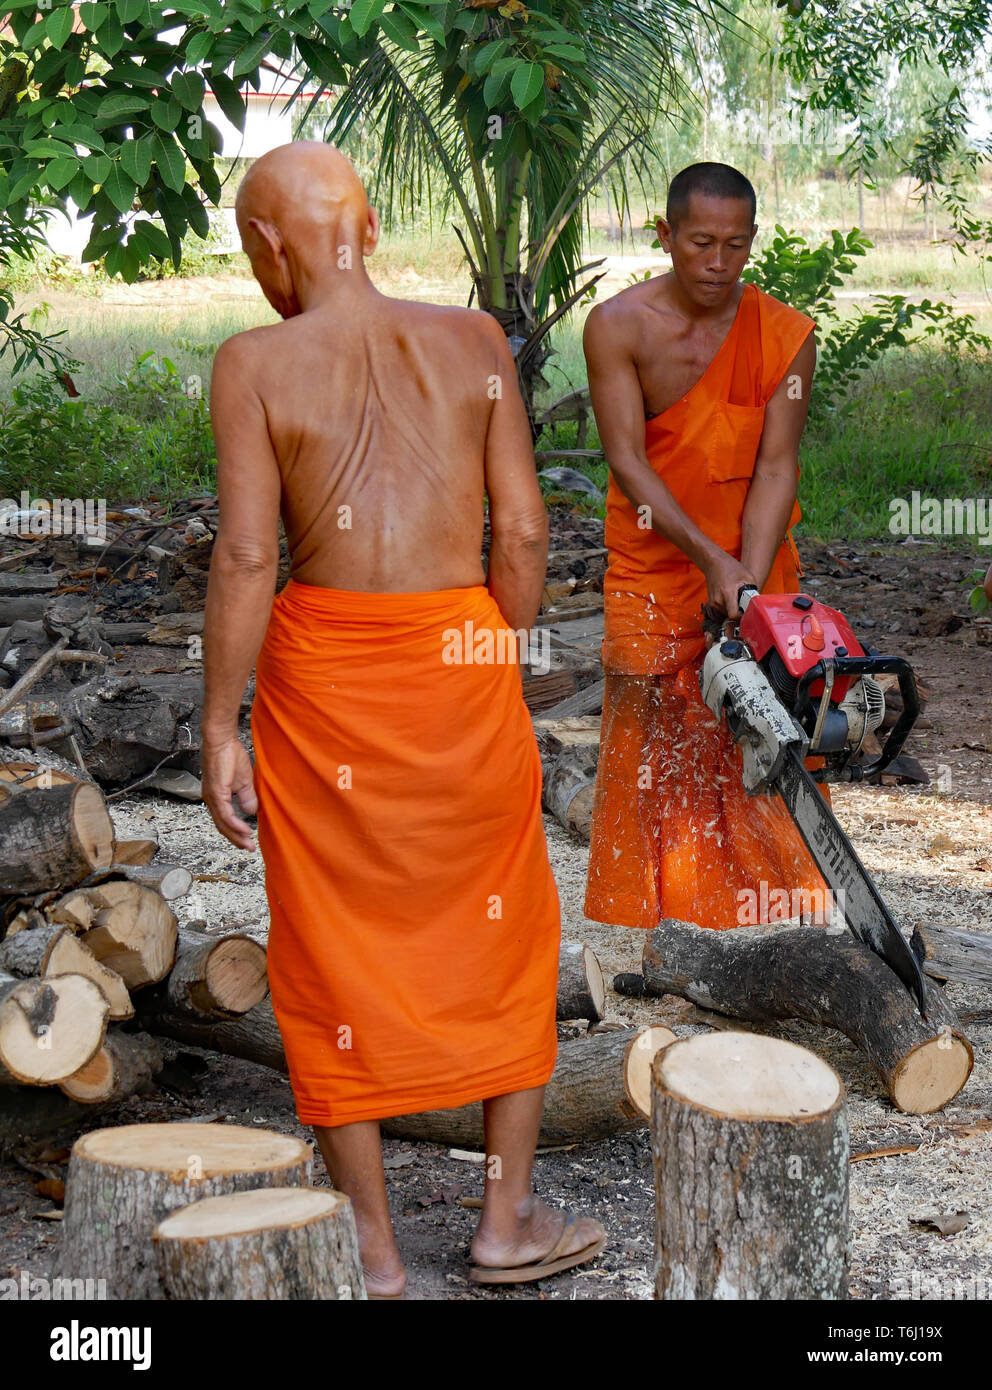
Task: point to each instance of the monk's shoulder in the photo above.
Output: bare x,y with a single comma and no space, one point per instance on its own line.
781,316
245,351
623,317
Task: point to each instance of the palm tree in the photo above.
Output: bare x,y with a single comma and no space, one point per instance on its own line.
511,116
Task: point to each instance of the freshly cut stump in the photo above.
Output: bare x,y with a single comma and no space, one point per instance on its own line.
581,990
217,978
122,1182
53,837
51,949
751,1156
128,927
273,1243
49,1027
600,1086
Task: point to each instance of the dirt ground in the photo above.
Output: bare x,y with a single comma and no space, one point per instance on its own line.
930,851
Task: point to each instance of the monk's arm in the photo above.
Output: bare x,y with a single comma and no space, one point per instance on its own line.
518,518
776,470
242,581
618,404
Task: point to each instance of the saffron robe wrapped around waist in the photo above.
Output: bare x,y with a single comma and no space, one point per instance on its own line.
414,920
674,834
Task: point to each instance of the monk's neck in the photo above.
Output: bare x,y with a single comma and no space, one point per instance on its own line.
336,286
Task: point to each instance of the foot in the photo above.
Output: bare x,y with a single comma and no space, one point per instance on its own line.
539,1228
384,1281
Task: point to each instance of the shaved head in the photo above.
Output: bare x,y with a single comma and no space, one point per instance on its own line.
709,180
301,209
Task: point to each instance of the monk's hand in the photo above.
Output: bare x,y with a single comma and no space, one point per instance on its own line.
725,577
227,772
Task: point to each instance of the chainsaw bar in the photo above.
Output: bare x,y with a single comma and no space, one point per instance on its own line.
864,911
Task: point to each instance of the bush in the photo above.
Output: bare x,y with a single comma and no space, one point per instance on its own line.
148,437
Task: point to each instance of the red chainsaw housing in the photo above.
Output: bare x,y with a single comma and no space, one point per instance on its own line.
802,635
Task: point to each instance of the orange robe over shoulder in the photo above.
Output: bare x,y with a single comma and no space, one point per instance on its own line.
414,920
674,833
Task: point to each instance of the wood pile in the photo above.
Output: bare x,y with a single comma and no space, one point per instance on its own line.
91,953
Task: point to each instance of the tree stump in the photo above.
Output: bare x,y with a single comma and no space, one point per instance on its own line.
290,1243
123,1181
751,1155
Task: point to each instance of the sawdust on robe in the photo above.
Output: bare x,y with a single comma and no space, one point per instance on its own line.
415,925
674,833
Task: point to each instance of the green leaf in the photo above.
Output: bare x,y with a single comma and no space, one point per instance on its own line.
229,99
199,218
364,13
320,60
154,237
97,166
250,55
173,211
401,29
111,36
24,185
567,51
526,84
424,20
169,161
60,171
494,89
198,48
979,600
58,25
117,104
488,54
166,114
120,189
136,160
188,89
92,15
316,8
130,10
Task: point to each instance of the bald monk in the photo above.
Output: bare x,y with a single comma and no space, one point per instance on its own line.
700,386
414,921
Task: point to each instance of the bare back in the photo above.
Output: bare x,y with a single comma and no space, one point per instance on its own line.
386,428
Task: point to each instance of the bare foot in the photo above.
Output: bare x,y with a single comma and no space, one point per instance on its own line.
384,1282
538,1230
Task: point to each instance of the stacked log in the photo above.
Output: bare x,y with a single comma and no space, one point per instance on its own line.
88,930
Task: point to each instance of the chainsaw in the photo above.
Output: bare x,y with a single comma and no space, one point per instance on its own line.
793,681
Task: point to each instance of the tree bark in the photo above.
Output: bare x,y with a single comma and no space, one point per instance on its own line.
581,989
825,977
53,838
962,956
123,1181
751,1157
292,1243
124,1064
569,789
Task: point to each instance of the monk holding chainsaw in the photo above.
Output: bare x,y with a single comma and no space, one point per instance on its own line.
414,922
700,386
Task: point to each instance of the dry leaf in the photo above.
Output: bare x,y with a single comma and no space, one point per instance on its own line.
946,1225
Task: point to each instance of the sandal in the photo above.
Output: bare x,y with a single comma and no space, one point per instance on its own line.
551,1263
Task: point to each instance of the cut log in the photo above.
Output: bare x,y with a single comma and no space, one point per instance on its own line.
128,927
581,990
751,1160
49,1027
255,1036
134,852
123,1181
123,1065
569,789
217,977
55,837
170,881
824,976
600,1086
125,724
542,692
949,954
588,700
51,949
35,776
555,735
293,1243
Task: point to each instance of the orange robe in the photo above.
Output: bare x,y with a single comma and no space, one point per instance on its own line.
674,833
415,926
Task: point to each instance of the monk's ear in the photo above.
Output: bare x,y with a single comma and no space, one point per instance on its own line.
272,246
372,229
665,233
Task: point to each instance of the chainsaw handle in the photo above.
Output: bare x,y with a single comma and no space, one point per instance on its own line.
714,619
871,666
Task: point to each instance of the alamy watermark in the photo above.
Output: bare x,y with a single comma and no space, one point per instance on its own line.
35,1287
500,646
53,516
942,516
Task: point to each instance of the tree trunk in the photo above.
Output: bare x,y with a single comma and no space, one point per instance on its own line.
751,1157
123,1181
823,976
254,1036
570,787
955,955
600,1086
53,838
292,1243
